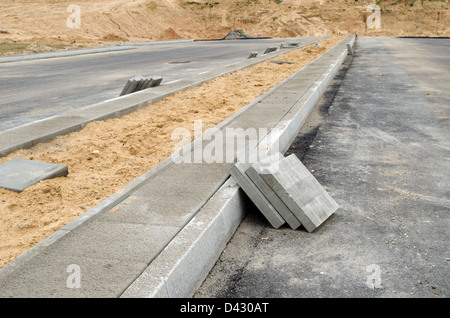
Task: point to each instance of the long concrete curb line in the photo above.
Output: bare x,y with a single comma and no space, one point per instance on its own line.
41,56
125,192
181,267
29,135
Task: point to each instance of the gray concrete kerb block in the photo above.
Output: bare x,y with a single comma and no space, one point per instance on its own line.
199,257
349,49
254,173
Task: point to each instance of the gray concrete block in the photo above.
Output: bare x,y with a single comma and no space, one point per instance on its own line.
140,84
237,171
155,82
253,172
301,192
18,174
145,83
125,88
130,86
270,49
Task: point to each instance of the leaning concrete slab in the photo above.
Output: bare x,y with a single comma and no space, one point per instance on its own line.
300,191
238,171
130,86
18,174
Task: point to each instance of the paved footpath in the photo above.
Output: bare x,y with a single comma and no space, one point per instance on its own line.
379,143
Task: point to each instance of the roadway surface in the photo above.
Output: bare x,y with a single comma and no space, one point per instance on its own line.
33,90
379,144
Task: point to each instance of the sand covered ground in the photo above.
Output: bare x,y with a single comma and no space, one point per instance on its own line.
107,155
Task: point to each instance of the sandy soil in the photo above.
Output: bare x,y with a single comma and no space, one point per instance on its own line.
150,20
107,155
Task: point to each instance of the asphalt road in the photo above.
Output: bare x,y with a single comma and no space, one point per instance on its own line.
379,144
33,90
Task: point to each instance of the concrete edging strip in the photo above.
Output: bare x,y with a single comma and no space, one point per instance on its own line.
181,267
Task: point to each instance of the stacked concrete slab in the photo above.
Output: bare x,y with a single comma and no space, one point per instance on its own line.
270,49
284,190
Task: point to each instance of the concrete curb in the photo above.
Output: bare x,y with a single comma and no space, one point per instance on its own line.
184,263
41,56
181,267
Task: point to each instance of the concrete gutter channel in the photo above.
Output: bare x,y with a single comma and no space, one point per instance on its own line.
161,234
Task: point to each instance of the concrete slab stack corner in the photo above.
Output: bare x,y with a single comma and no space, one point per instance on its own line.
300,191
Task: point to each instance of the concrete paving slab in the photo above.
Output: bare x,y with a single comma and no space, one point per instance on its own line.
300,191
18,174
